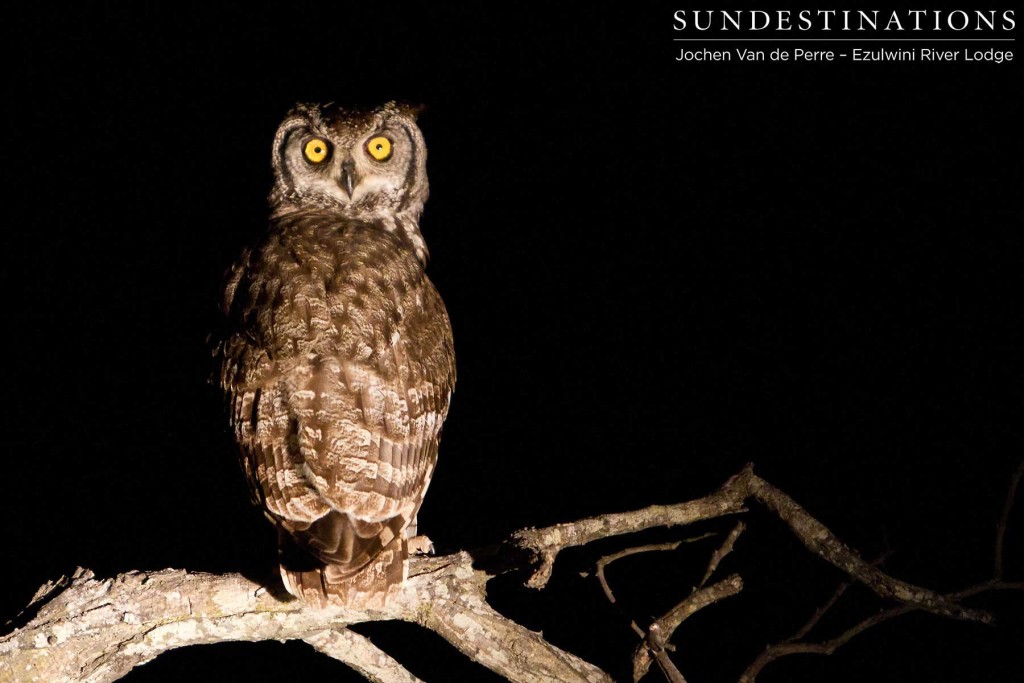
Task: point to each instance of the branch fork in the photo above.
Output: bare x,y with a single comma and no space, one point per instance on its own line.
96,630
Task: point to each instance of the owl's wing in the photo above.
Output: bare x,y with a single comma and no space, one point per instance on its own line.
341,450
253,370
375,428
367,447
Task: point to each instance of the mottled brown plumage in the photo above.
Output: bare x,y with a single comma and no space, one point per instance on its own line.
339,364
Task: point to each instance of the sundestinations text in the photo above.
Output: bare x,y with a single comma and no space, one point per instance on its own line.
845,20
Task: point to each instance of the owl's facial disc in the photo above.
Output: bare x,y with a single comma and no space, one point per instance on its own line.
361,163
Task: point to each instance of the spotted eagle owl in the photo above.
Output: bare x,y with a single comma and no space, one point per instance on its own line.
338,362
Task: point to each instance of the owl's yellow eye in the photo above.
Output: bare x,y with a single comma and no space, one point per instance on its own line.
379,148
316,150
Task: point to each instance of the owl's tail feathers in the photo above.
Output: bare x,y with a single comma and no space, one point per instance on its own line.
324,585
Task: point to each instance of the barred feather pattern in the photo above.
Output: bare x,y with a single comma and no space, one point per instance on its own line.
339,369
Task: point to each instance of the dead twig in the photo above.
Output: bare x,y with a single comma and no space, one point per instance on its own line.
545,544
722,551
827,647
1004,518
821,611
664,627
795,644
608,559
823,543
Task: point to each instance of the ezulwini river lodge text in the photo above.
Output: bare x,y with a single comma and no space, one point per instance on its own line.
857,54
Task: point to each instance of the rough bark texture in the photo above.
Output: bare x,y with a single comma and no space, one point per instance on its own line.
97,630
362,655
83,628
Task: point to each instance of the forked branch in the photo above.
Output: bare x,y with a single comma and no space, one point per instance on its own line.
90,629
798,645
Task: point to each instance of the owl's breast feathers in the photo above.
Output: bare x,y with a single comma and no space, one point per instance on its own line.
339,368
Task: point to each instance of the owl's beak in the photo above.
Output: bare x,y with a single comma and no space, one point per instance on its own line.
348,176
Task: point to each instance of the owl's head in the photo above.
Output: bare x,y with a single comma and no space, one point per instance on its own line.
363,163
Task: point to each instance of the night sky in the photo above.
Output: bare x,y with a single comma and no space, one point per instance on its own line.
656,272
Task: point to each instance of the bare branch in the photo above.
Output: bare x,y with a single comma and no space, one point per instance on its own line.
722,551
698,600
362,655
661,631
608,559
97,630
655,640
822,542
547,542
628,552
664,627
88,629
656,646
794,645
1004,518
821,611
452,604
827,647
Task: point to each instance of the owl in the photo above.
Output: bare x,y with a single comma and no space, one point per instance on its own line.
337,359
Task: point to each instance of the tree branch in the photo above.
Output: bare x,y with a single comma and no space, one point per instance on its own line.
608,559
795,644
661,631
362,655
96,630
1004,518
546,543
823,543
827,647
723,550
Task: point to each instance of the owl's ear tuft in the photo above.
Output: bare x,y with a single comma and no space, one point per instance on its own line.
411,110
309,110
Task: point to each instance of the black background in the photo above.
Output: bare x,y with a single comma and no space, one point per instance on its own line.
656,271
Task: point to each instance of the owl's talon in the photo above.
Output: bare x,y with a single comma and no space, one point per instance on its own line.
421,545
